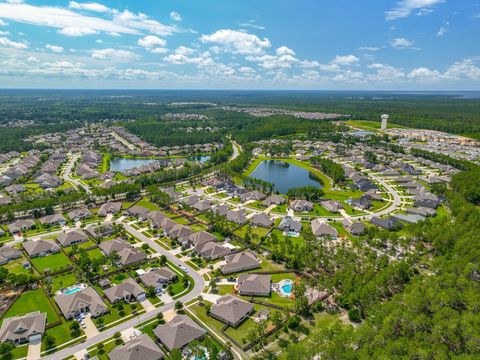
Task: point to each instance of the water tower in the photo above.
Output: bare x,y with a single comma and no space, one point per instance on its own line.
384,122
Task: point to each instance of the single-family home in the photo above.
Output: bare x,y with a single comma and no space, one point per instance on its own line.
241,261
82,301
321,229
254,284
72,238
127,291
40,248
179,332
139,348
158,278
23,328
231,310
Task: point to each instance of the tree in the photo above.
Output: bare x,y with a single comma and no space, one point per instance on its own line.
178,305
49,341
176,354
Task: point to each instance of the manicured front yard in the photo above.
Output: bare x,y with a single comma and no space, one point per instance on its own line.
53,262
33,300
108,346
20,352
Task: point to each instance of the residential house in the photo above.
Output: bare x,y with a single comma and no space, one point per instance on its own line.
231,310
40,248
139,348
21,225
23,328
422,211
127,291
156,217
82,301
274,199
198,238
8,253
100,231
241,261
289,224
301,205
220,210
389,223
179,332
252,195
72,238
354,228
130,256
262,220
322,229
53,220
203,206
237,216
109,208
212,250
115,245
79,214
254,284
158,278
332,206
138,212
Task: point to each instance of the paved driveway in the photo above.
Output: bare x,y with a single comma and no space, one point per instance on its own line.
91,330
34,350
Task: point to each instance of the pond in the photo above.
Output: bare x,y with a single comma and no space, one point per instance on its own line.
121,164
200,158
283,175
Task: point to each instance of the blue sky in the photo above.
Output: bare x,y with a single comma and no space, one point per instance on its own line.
247,44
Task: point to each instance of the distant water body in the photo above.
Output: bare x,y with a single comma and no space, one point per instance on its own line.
234,95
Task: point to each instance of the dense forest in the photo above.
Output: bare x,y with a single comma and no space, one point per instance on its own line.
433,315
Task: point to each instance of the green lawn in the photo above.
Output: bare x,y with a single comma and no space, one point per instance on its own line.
371,125
241,332
64,280
114,314
295,240
53,262
147,204
61,333
95,254
181,220
20,352
33,300
107,348
16,267
119,278
255,232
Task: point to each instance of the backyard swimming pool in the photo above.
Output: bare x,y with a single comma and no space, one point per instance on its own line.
72,290
287,289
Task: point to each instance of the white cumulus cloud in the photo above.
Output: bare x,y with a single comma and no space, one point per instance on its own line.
91,6
237,42
12,44
114,55
75,31
54,48
401,43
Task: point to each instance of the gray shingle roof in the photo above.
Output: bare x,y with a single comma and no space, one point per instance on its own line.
179,332
140,348
21,327
231,309
127,288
